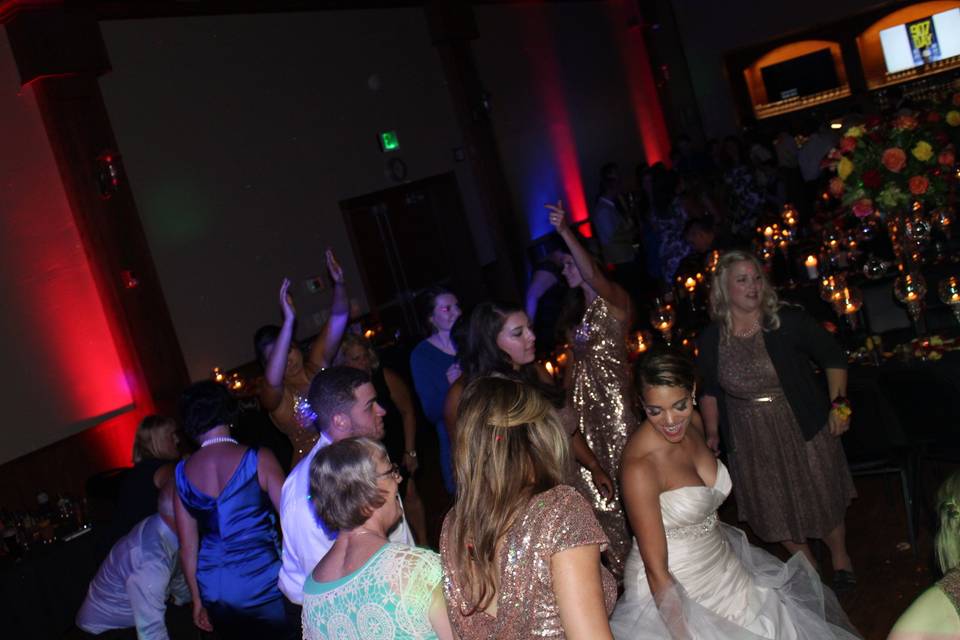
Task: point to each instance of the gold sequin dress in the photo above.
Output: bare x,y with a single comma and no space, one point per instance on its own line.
555,520
297,424
603,403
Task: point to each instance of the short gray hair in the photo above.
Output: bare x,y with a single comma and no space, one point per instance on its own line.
343,482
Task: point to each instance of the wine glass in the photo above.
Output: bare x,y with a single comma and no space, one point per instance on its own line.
910,288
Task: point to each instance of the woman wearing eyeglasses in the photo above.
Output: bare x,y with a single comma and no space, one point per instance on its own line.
367,586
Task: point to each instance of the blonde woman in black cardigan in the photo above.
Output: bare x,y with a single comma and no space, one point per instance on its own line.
780,426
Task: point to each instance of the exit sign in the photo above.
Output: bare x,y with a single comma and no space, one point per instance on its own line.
389,141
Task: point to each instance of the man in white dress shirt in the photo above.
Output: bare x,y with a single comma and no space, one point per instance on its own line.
140,574
345,402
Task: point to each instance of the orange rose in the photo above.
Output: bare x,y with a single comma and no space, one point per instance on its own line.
848,144
894,159
836,187
946,157
918,185
905,122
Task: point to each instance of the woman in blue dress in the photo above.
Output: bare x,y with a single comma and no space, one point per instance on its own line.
434,367
228,541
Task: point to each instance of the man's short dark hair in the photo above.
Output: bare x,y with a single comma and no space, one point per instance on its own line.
332,392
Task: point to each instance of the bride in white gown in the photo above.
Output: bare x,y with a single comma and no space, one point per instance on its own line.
688,575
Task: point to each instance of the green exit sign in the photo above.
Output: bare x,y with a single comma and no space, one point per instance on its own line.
389,141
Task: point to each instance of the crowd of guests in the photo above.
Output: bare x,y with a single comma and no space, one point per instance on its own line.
583,504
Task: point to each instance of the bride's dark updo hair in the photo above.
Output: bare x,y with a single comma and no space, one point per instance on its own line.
664,367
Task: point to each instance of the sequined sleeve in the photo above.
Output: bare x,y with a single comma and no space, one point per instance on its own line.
569,522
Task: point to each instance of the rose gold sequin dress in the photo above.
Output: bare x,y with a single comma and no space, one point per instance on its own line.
553,521
603,402
787,488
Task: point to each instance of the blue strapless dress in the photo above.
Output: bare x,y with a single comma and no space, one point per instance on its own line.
239,559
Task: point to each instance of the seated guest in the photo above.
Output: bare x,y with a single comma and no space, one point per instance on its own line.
140,574
228,543
520,549
701,234
345,402
154,454
366,586
935,614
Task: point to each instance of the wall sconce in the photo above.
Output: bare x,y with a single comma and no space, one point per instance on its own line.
109,174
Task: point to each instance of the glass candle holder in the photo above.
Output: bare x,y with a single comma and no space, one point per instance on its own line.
949,291
662,318
910,289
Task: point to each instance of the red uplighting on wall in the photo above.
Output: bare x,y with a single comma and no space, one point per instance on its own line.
547,76
641,86
64,331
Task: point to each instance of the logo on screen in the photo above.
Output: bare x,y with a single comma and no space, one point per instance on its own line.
923,41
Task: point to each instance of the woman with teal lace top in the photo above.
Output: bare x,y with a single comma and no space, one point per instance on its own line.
367,587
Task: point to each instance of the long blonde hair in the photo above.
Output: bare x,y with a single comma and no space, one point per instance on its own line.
510,446
720,301
947,542
147,443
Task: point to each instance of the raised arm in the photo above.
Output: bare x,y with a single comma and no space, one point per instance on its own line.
579,591
271,393
593,276
189,547
400,392
540,283
325,346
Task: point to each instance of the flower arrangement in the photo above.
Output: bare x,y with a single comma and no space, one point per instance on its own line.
891,164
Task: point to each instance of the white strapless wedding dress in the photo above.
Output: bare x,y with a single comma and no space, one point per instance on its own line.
726,588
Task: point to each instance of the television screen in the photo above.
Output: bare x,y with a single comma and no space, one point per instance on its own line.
808,74
921,41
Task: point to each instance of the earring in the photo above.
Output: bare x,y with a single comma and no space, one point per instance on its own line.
694,400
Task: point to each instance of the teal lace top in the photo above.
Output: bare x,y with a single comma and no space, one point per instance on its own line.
388,598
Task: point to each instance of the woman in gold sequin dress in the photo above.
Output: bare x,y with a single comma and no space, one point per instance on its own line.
602,399
287,375
520,550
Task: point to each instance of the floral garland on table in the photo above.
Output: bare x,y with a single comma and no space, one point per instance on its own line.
890,164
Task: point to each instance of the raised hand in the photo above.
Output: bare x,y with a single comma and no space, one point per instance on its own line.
286,301
334,268
558,217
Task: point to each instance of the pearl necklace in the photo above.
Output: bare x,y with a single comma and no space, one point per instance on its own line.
218,440
749,332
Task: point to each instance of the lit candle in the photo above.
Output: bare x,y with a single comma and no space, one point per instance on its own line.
549,367
911,296
850,309
690,284
369,333
768,232
811,264
663,326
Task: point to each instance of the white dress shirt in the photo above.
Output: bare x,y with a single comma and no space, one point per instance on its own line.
305,540
133,584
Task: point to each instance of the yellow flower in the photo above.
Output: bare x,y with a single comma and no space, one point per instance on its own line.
854,132
953,118
844,168
922,151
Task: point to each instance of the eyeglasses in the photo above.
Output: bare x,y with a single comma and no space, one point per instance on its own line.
394,471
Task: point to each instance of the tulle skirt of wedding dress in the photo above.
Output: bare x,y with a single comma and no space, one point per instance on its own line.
728,589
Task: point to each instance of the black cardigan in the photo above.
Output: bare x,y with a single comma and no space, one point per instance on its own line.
791,347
